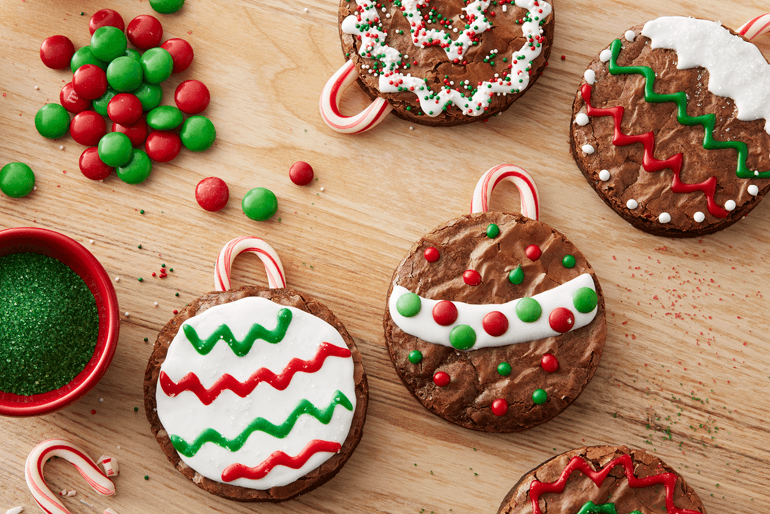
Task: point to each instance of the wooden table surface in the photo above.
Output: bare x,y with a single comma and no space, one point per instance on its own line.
685,369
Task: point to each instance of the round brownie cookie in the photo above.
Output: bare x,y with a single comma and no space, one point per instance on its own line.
671,126
444,63
602,480
495,322
238,422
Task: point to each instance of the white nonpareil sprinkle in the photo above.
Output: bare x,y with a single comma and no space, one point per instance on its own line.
61,147
37,87
109,511
91,241
588,149
604,175
127,314
411,128
632,204
664,217
323,189
582,119
101,400
630,36
699,217
730,205
308,10
117,279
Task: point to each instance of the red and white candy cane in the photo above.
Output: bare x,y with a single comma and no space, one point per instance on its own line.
33,472
273,267
330,104
756,27
530,200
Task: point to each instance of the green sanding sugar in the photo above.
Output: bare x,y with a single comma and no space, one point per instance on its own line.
48,324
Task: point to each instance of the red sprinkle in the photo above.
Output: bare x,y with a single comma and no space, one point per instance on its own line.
495,324
499,407
431,254
533,252
549,362
445,313
176,311
441,379
472,277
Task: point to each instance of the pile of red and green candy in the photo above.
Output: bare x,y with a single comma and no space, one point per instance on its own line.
113,80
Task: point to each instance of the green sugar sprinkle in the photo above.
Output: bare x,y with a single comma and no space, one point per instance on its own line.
48,324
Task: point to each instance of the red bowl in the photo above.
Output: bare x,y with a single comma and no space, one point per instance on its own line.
82,262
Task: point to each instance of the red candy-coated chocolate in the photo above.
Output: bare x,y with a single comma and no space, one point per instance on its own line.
145,32
70,100
106,18
181,53
124,108
56,52
89,82
88,127
472,277
212,194
92,166
431,254
444,313
561,320
549,362
136,132
301,173
441,379
192,97
533,252
499,407
495,323
163,146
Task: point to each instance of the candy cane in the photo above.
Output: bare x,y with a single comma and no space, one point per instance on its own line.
530,201
239,245
756,27
330,104
33,472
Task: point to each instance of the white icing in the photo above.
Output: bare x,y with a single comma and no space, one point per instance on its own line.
396,76
730,205
753,190
736,67
590,76
664,217
632,204
699,217
630,36
588,149
185,416
424,326
606,55
604,175
582,119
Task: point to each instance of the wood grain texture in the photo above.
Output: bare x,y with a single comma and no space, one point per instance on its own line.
685,370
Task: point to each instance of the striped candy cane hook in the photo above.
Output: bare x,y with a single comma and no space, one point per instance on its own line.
530,200
239,245
756,27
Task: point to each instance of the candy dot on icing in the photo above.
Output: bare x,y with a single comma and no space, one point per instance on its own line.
699,217
472,277
588,149
495,323
539,396
568,261
549,363
590,76
445,313
664,217
415,356
533,252
753,190
408,305
606,55
730,205
462,337
504,369
630,36
516,276
632,204
582,119
561,320
441,379
499,407
604,175
528,310
585,300
493,231
431,254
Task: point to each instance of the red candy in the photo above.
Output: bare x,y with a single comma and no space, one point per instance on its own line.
88,127
549,362
136,132
533,252
92,166
124,108
212,194
56,52
71,101
106,18
89,82
472,277
163,146
561,320
445,313
192,97
181,53
441,379
499,407
301,173
431,254
145,32
495,323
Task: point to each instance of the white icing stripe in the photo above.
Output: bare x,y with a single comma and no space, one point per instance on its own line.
423,325
755,27
530,200
737,69
239,245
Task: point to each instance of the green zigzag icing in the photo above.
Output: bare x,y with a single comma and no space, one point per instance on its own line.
261,424
240,348
708,121
604,508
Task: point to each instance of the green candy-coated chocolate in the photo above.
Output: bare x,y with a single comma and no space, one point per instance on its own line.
504,369
83,56
408,305
415,356
462,337
124,74
516,276
166,6
585,300
165,117
137,169
108,43
52,121
493,231
198,133
134,54
528,310
17,179
150,95
259,204
115,149
539,396
157,65
568,261
100,104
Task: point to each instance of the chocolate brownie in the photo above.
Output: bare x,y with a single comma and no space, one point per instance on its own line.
312,368
495,322
442,63
623,481
670,126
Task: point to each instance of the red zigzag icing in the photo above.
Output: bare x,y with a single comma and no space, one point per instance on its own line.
279,458
650,163
668,480
191,382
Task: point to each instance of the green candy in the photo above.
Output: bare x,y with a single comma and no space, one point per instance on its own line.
516,276
108,43
100,104
585,300
462,337
408,305
528,310
568,261
493,231
115,149
415,356
539,396
504,369
136,170
157,65
124,74
52,121
166,117
150,95
134,54
83,56
198,133
17,179
166,6
259,204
